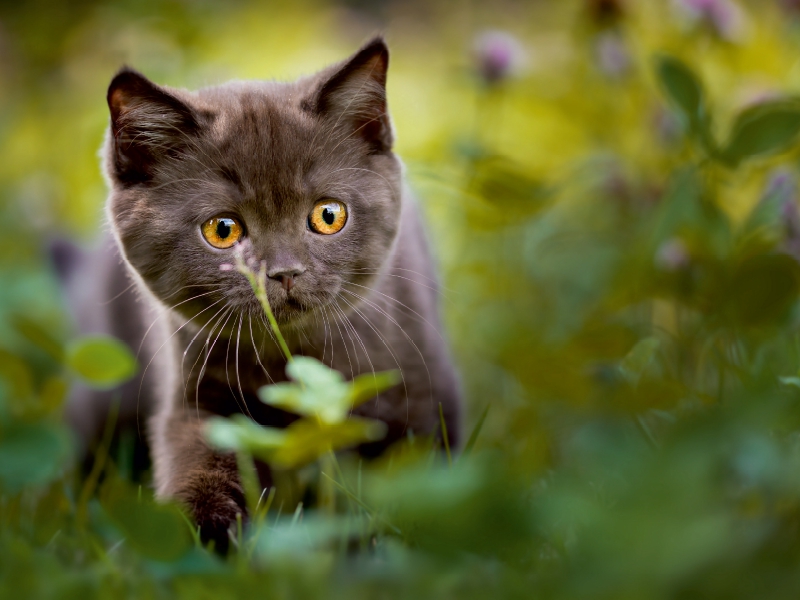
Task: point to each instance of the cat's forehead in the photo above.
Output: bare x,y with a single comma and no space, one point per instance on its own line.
262,114
260,131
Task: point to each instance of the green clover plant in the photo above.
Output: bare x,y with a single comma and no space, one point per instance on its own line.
319,395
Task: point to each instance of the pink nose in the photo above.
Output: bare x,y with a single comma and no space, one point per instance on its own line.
286,277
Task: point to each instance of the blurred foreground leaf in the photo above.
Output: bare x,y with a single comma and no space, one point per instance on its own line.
17,381
291,543
32,454
682,87
322,392
763,289
639,358
157,530
102,361
37,335
300,443
476,506
766,128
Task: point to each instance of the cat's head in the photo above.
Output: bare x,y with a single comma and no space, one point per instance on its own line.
299,177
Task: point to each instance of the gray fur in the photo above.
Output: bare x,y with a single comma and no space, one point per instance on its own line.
264,152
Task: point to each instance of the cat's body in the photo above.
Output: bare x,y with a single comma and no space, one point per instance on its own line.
362,298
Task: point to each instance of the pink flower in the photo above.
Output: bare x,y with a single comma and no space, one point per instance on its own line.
724,17
612,55
498,54
672,255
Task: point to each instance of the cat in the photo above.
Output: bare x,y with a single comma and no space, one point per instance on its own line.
299,177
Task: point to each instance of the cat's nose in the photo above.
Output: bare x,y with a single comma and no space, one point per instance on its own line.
286,277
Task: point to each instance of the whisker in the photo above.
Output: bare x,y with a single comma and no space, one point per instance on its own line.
421,319
403,331
351,330
205,362
141,381
325,324
432,280
258,358
216,321
166,311
238,379
196,335
228,373
372,367
107,302
344,343
378,272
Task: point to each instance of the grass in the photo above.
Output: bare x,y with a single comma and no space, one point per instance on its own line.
622,302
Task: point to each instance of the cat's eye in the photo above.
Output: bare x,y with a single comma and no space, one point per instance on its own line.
222,232
327,217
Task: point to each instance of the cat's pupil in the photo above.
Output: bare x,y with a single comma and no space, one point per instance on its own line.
328,216
223,229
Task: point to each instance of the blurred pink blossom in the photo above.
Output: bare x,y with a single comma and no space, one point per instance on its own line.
499,55
672,255
612,54
781,186
724,17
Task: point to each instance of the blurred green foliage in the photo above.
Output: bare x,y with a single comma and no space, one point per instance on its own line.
612,191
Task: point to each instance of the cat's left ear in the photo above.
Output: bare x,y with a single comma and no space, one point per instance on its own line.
354,96
148,124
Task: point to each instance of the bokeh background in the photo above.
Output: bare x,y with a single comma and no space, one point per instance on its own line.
611,188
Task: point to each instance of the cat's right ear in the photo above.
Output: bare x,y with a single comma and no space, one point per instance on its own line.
353,97
147,125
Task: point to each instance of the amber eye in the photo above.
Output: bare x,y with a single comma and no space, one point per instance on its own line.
222,232
327,216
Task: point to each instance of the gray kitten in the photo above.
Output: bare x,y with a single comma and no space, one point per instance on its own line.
300,176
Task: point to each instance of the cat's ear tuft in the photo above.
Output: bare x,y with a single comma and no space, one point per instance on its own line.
354,96
148,124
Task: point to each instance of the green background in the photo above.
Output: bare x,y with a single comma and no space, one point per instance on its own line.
617,229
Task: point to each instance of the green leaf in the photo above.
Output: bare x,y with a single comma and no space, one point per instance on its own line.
241,434
102,361
18,380
154,529
322,392
291,543
763,290
639,358
763,129
52,394
685,92
32,454
313,373
38,336
308,439
367,386
302,442
682,87
790,381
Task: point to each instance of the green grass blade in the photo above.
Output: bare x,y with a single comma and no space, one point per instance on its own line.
473,437
444,436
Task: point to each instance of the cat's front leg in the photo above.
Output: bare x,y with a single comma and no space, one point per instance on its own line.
206,481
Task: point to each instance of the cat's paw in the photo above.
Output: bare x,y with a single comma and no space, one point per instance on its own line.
215,500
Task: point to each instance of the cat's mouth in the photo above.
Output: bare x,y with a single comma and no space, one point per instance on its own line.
290,311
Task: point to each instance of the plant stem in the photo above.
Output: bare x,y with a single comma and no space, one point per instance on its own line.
250,483
259,284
